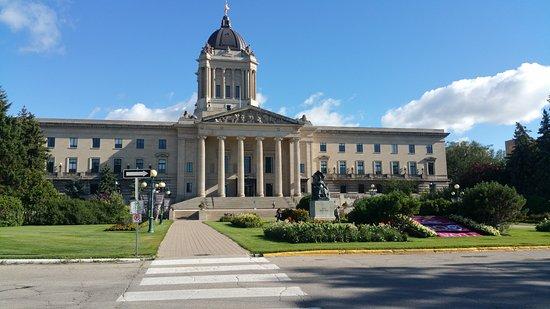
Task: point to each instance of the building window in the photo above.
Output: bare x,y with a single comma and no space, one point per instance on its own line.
227,163
51,142
361,188
376,148
394,148
162,144
140,143
359,148
343,189
412,149
73,162
323,147
247,164
268,165
237,92
218,92
302,168
189,167
394,167
360,167
413,170
139,164
228,91
342,168
162,166
431,168
73,142
96,142
117,165
377,167
341,147
323,167
118,143
429,149
94,165
188,187
50,165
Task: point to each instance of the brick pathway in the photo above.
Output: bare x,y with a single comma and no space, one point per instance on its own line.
193,238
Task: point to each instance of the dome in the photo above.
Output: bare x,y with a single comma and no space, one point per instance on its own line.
226,37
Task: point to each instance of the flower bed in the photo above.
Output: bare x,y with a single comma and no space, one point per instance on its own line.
413,228
246,220
482,228
316,232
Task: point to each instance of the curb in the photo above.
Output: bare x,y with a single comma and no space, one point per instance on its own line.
70,261
402,251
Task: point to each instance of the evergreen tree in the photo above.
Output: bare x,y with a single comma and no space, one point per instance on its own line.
521,163
107,181
543,162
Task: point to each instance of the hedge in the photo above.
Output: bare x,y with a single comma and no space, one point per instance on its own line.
478,227
295,215
543,226
436,207
383,208
246,220
12,212
316,232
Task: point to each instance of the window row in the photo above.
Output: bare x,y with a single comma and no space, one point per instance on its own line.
96,143
228,92
376,148
71,165
395,168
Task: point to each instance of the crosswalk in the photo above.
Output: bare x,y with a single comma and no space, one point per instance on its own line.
222,278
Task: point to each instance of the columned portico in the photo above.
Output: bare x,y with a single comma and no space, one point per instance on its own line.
240,166
201,175
278,168
259,166
221,166
297,189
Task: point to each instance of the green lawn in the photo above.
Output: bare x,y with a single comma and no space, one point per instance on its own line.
252,239
77,241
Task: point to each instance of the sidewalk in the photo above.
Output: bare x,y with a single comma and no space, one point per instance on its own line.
187,238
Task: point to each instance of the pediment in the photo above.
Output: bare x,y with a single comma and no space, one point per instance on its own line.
251,115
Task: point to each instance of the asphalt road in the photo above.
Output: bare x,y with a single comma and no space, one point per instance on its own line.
481,279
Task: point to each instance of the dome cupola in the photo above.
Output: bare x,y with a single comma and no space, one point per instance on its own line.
225,37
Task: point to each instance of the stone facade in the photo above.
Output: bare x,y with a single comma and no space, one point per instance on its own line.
232,147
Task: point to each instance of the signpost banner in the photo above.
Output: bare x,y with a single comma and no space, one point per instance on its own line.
135,207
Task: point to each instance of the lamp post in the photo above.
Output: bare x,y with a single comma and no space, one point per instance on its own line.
455,194
153,174
372,190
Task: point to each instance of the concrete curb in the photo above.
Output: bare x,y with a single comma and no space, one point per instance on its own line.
69,261
402,251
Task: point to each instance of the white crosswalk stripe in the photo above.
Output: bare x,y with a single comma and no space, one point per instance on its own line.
227,273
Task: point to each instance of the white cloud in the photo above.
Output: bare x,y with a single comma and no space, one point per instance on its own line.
261,98
282,110
38,20
140,111
507,97
94,112
321,111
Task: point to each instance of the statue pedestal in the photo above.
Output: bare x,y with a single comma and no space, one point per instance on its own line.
322,210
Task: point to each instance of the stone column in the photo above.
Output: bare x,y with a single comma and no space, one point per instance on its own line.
278,168
297,189
259,166
180,182
221,166
201,175
309,170
223,84
240,166
212,83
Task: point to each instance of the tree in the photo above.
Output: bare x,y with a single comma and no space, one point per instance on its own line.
521,163
464,157
543,162
107,181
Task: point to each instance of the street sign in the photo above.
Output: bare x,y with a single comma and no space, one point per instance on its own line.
166,202
136,173
158,199
136,218
135,207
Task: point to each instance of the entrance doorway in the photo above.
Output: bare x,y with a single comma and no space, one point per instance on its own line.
250,187
268,189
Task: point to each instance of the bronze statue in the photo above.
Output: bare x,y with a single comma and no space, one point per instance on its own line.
319,190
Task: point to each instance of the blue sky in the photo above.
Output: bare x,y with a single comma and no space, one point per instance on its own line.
365,63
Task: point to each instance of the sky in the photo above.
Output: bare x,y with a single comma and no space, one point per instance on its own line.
473,68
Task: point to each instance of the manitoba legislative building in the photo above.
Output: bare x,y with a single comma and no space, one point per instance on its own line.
231,147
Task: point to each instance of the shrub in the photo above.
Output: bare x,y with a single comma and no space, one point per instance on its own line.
408,225
383,208
478,227
543,226
491,203
438,206
246,220
392,185
295,215
304,202
12,212
316,232
226,217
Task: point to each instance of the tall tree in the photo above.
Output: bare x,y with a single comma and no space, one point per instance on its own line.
464,157
522,161
543,162
107,181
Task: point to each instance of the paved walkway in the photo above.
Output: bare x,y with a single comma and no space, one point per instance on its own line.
187,238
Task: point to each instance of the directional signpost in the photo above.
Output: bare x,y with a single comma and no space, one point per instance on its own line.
135,206
136,173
